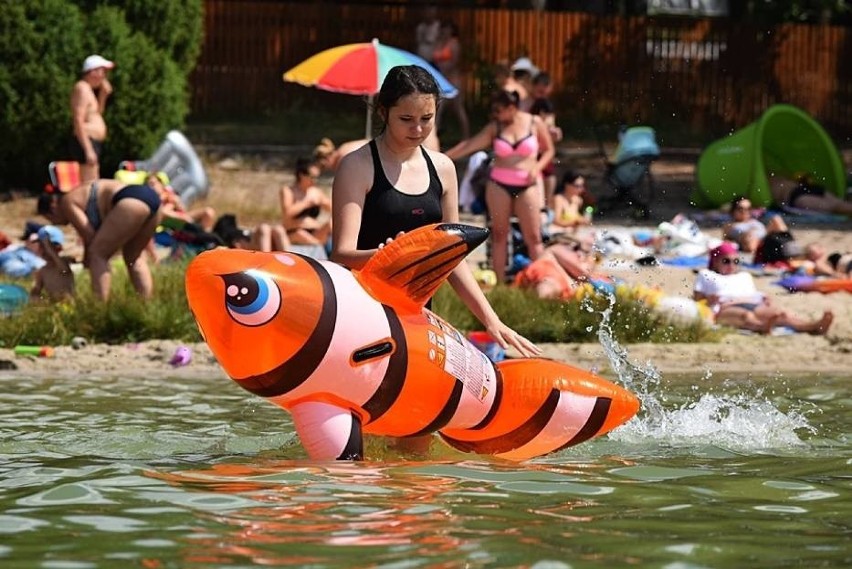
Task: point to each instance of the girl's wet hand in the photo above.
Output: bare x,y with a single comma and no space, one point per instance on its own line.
507,337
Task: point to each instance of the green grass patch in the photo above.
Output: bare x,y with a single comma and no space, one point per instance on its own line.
167,316
629,320
125,318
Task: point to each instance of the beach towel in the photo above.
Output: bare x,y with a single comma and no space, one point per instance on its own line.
808,283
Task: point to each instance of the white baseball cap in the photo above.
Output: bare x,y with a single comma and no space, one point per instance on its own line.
525,64
95,62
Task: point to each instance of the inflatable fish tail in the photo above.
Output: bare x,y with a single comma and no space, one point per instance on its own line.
407,272
545,406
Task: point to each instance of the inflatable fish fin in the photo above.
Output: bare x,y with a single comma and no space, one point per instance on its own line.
328,432
406,273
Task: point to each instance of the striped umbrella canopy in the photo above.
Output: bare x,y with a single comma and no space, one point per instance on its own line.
359,69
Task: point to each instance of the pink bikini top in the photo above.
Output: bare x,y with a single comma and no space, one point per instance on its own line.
527,146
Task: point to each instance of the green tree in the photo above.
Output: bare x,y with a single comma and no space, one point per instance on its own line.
155,45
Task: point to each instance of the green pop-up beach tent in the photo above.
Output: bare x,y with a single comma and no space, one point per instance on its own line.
785,141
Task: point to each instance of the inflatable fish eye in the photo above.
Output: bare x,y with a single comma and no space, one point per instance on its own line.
251,297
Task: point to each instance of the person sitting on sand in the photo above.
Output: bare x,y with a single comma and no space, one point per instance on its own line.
55,279
820,263
736,302
746,230
570,200
305,208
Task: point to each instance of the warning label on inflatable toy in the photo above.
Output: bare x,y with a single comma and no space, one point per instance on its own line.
467,364
459,358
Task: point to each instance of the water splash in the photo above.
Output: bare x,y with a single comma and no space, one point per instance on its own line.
734,421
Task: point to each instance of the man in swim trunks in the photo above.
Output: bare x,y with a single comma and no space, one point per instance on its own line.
109,216
88,101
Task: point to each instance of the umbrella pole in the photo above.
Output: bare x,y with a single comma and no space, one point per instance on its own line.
369,116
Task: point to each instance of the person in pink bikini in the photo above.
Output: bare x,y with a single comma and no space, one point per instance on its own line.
522,147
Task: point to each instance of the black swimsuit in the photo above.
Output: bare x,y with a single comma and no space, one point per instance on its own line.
387,211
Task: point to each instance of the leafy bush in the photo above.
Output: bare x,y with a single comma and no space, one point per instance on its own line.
43,43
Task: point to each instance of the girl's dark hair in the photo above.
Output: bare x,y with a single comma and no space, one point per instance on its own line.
569,177
505,98
303,167
405,80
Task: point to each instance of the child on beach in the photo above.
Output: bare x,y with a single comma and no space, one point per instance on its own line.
54,280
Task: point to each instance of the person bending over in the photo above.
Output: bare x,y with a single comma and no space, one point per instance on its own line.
109,216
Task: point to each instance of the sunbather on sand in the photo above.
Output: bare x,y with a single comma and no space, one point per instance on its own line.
746,230
803,192
835,265
556,273
736,302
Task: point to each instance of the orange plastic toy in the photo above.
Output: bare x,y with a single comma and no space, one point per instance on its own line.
352,352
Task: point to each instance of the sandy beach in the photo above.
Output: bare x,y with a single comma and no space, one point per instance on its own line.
736,355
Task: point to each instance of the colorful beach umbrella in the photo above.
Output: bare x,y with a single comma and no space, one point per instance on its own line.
359,69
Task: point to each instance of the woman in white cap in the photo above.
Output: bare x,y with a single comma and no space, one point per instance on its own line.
88,101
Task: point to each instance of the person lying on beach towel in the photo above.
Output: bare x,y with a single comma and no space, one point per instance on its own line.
819,262
558,271
804,192
736,302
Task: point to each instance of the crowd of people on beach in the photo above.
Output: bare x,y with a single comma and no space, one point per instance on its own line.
540,214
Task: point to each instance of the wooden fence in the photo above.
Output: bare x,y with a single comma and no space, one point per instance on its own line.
704,73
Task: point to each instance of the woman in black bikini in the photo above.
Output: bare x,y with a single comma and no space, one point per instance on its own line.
109,215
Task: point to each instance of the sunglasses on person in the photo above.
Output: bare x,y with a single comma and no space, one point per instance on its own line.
729,261
743,208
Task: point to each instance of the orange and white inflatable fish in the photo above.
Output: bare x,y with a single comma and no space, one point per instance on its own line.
352,352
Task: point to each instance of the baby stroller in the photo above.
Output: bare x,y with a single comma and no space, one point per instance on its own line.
628,175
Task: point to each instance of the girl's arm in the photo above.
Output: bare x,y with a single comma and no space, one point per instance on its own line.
462,279
545,144
349,189
479,141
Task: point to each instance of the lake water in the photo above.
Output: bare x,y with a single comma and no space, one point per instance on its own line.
129,472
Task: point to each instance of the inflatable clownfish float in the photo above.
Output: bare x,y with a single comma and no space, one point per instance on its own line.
355,352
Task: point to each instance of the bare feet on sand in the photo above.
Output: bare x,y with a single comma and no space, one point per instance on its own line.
821,326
